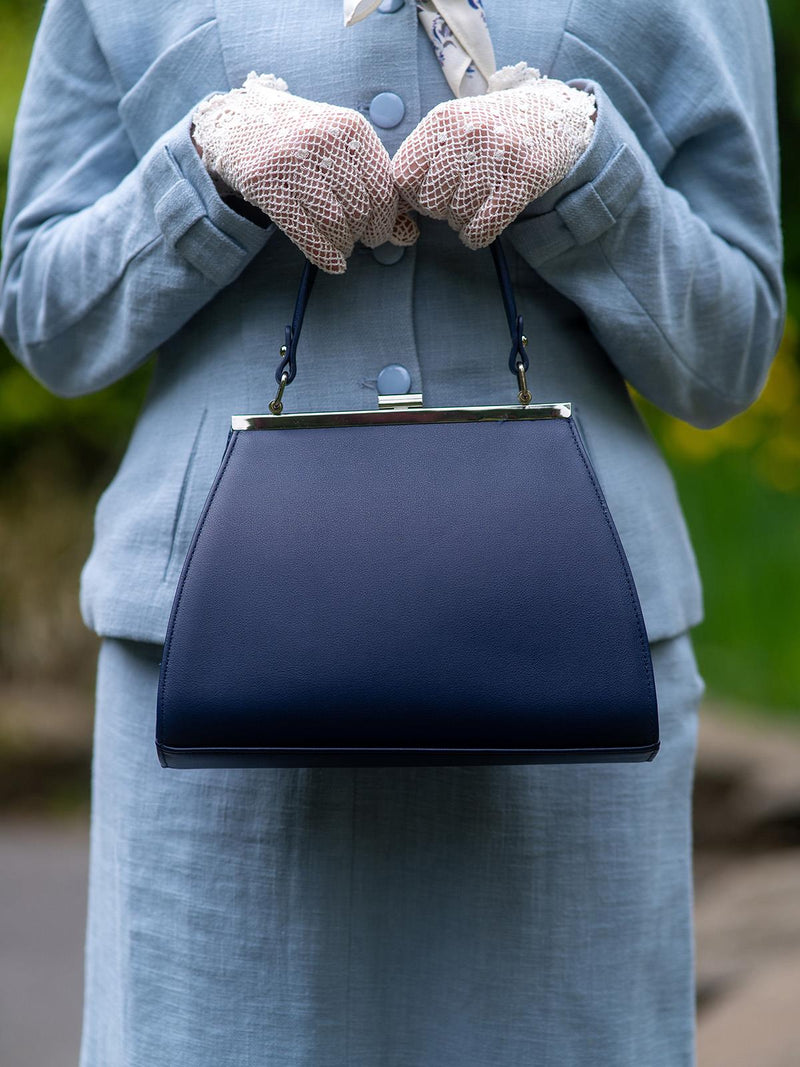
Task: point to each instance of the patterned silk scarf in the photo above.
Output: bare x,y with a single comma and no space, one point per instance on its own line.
460,37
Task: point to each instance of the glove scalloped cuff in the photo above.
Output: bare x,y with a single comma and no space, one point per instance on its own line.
512,77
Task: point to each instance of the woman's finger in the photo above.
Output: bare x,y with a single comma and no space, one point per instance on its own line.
414,156
438,187
291,217
325,211
335,198
495,213
471,192
347,185
346,159
382,219
376,173
513,184
405,230
331,165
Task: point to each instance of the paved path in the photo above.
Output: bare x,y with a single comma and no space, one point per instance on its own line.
756,1023
42,923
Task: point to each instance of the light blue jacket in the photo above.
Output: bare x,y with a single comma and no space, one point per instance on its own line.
656,260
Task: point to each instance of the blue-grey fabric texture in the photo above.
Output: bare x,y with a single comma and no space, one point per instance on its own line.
388,916
656,260
401,916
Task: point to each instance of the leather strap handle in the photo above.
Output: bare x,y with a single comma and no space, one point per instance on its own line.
517,355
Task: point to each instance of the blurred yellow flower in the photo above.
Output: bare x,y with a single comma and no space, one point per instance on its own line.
769,429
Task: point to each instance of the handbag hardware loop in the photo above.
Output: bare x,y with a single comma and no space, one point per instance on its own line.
517,359
399,400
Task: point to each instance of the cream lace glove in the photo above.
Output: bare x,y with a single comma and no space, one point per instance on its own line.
478,161
318,170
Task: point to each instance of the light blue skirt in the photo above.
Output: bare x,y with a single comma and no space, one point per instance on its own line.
388,917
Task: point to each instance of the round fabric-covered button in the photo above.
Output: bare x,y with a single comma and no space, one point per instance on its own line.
394,379
386,110
387,253
387,7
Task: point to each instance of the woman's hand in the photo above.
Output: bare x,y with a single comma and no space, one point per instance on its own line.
479,160
319,171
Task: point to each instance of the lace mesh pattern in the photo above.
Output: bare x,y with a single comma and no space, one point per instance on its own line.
478,161
318,170
322,174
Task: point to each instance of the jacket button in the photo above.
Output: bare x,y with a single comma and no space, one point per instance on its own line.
386,110
387,253
386,7
393,380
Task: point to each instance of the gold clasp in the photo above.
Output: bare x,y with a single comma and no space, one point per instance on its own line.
398,401
524,392
276,405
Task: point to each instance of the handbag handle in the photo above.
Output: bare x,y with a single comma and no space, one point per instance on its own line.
517,359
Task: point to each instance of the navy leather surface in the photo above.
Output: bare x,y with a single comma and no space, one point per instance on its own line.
507,628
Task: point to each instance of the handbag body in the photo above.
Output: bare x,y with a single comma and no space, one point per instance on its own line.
406,586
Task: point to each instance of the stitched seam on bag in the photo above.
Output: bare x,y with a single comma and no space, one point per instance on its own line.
168,648
623,561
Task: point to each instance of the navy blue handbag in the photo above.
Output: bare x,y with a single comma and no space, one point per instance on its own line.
508,629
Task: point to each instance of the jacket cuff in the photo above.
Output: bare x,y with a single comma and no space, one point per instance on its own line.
195,221
590,199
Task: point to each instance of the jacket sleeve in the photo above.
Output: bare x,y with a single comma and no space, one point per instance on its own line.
104,256
677,267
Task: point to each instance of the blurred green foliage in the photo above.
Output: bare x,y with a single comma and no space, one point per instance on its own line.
92,429
786,32
739,484
740,489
